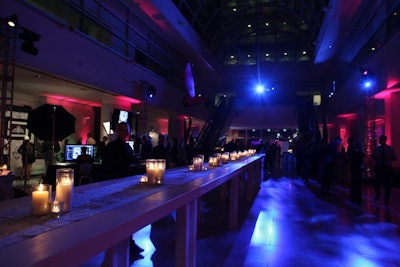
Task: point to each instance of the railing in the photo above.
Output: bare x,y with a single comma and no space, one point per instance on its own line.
105,214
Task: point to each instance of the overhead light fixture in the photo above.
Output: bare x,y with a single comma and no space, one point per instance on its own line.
29,39
12,21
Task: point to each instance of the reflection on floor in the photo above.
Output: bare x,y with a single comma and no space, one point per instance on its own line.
289,224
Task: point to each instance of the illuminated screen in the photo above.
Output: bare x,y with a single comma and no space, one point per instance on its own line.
73,151
123,116
130,143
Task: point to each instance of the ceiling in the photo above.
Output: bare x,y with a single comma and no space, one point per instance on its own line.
244,32
277,27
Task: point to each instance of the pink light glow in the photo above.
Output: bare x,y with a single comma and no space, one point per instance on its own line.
152,12
343,134
73,100
348,116
393,83
163,123
128,99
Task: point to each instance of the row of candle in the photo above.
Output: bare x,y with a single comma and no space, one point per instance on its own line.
219,158
42,202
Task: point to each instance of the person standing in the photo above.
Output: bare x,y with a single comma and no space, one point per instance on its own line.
27,151
118,155
117,161
101,147
146,148
330,157
383,156
161,150
355,158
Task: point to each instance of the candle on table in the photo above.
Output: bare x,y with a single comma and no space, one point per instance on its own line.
155,170
64,187
197,164
225,157
56,208
40,199
219,158
212,161
233,156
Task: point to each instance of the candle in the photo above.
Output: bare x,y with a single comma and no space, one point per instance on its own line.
197,164
155,170
219,158
56,208
64,187
225,157
143,179
40,199
212,161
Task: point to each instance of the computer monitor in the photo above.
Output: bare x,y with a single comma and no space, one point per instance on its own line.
73,151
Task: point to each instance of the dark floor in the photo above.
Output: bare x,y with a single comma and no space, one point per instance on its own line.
289,224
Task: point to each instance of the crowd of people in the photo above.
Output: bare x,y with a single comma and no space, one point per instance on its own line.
330,162
326,162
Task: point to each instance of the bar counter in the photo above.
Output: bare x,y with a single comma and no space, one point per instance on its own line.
104,215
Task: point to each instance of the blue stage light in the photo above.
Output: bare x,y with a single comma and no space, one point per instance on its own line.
260,89
367,78
367,84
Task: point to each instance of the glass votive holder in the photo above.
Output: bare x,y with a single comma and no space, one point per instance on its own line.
65,187
225,157
56,208
191,167
155,171
41,198
197,163
233,156
219,158
212,162
143,179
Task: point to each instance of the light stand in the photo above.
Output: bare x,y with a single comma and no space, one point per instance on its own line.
54,158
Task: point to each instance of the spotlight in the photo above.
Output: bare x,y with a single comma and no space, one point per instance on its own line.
29,38
12,21
151,91
367,78
260,89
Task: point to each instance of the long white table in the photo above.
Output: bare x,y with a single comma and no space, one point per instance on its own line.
105,214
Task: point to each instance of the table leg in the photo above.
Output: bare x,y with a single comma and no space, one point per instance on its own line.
186,235
117,255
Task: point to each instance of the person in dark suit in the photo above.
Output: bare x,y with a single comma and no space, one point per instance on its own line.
161,150
117,161
355,157
118,155
330,156
101,147
383,156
